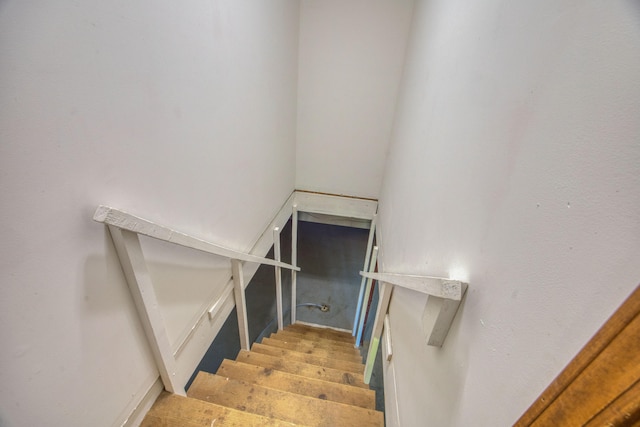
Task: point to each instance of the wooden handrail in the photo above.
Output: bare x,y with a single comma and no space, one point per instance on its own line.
126,221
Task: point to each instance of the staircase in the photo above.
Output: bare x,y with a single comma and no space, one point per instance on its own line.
300,376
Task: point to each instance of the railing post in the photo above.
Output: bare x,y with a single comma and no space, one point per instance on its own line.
276,256
135,270
294,262
367,295
241,303
372,232
381,312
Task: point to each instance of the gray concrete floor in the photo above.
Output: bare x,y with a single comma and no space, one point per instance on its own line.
330,258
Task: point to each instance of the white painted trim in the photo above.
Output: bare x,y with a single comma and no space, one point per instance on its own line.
327,204
241,303
391,400
222,304
367,257
192,353
199,337
127,244
278,272
265,239
139,411
437,318
294,262
386,289
219,301
387,339
444,300
197,340
436,286
215,308
391,404
123,220
335,220
315,325
366,297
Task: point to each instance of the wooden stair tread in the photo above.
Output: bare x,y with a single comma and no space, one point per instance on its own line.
292,383
280,404
303,369
329,332
312,359
312,334
309,349
319,342
171,410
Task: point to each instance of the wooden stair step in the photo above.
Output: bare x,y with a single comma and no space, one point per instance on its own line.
328,332
171,410
311,335
309,349
291,383
303,369
318,341
319,334
279,404
343,365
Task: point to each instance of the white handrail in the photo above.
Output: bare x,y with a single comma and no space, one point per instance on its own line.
445,296
436,286
126,221
124,229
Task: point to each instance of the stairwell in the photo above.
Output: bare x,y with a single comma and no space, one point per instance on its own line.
302,375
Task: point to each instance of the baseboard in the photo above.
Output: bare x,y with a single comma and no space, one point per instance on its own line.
137,414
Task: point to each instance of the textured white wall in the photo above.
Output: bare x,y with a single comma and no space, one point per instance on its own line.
515,165
351,58
181,112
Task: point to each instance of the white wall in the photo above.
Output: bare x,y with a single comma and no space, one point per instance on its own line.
351,58
180,112
515,165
